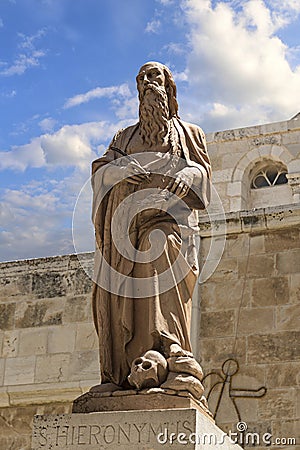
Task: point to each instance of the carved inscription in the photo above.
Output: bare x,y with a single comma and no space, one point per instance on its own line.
266,140
67,436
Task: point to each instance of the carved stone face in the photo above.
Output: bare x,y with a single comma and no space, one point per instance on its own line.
149,370
150,73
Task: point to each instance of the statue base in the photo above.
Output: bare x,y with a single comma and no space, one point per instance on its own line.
179,423
154,398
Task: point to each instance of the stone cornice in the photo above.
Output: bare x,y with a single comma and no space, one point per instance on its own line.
43,393
235,222
62,262
238,134
262,219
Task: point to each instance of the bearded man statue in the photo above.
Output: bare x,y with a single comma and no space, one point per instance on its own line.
147,187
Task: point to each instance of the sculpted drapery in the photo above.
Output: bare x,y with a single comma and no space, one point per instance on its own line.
170,157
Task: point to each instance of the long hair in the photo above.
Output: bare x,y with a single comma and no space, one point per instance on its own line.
171,92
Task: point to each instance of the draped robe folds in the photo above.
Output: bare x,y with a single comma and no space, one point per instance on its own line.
127,327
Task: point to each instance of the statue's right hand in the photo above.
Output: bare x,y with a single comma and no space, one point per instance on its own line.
135,173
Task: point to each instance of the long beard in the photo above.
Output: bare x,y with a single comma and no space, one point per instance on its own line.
153,115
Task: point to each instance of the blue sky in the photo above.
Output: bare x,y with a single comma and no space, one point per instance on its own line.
67,83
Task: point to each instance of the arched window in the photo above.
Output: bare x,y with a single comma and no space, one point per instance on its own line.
268,174
269,184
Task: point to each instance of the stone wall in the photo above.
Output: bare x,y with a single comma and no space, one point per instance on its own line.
234,153
48,345
250,312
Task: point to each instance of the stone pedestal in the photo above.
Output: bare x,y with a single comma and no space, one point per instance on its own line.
187,427
133,400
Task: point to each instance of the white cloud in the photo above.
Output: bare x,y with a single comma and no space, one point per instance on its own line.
37,213
41,211
175,48
238,61
99,92
127,108
27,57
22,63
180,76
71,145
289,6
9,94
23,156
153,26
47,124
28,42
165,2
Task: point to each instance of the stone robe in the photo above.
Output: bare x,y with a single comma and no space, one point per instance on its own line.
128,326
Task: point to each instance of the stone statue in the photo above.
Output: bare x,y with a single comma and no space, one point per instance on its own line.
159,170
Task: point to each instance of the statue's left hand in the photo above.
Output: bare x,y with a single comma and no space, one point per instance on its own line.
182,183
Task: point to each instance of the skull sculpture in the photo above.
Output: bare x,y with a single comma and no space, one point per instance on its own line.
149,370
